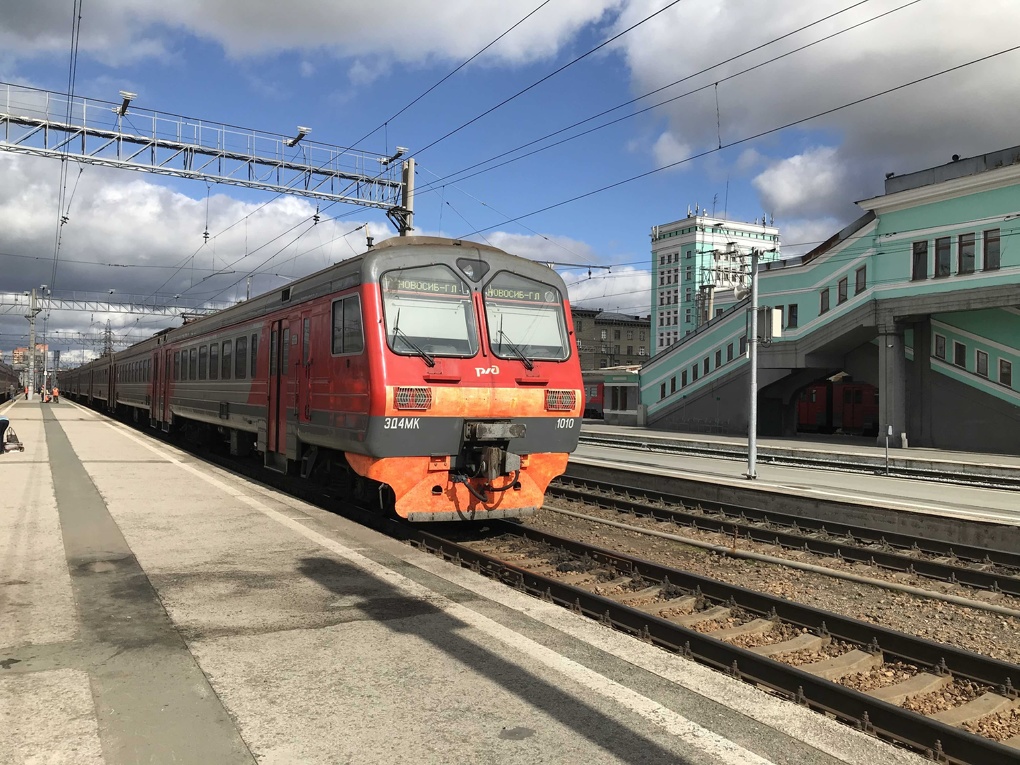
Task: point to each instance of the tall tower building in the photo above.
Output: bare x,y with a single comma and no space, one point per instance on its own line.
691,259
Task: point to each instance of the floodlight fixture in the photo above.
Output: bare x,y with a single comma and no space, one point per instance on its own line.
301,133
401,151
128,98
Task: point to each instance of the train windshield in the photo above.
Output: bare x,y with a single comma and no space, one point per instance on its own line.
428,313
526,319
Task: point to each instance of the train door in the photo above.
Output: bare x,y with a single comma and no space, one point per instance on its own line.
155,390
111,386
276,427
304,374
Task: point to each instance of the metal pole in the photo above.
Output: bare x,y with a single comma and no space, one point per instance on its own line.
31,347
408,197
752,347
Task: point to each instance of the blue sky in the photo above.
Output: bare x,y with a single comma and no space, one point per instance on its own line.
343,68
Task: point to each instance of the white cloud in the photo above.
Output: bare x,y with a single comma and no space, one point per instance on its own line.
805,184
667,150
911,129
624,290
125,30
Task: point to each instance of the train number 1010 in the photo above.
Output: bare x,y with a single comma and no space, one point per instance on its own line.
566,423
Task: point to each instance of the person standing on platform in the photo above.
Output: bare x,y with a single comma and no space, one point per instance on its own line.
4,423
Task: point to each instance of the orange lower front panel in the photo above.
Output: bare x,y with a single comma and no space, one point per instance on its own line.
424,493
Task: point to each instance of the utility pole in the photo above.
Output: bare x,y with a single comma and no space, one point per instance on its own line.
752,349
33,311
407,224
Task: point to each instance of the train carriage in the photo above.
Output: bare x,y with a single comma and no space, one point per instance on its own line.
436,376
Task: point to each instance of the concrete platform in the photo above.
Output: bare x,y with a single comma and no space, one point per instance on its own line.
861,449
157,609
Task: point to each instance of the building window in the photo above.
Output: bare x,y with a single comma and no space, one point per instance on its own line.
630,350
579,325
604,334
630,334
992,250
940,347
981,359
662,391
718,358
602,363
641,335
942,257
704,364
689,273
694,373
1006,373
687,316
641,351
965,252
841,290
791,315
862,280
729,352
960,354
672,384
616,334
688,255
683,379
743,346
718,311
823,300
689,294
920,267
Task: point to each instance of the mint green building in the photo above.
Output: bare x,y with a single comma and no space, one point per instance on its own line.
920,297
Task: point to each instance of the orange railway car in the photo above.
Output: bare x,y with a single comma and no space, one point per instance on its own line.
437,377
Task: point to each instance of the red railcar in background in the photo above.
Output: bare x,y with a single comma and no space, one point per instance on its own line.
838,407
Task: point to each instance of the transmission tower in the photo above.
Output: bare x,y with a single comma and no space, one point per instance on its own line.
108,339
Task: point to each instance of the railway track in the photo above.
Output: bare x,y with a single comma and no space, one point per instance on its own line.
839,462
990,570
755,637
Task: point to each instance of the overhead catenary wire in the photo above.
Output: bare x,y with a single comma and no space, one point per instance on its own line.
465,173
747,139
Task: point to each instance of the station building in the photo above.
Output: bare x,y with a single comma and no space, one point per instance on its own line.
608,339
919,297
693,259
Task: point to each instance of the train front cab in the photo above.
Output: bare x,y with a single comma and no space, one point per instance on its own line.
476,399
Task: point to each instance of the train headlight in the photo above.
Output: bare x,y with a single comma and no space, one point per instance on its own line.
413,398
560,400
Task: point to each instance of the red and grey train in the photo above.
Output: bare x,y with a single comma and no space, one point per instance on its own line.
10,382
437,375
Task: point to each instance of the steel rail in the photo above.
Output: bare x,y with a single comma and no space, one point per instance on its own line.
937,740
799,539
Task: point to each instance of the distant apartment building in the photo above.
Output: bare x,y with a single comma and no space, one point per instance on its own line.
20,355
692,259
606,339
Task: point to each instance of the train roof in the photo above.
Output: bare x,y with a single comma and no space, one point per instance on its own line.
395,252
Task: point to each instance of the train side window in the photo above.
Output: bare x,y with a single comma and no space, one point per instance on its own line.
286,349
347,334
306,336
193,363
227,347
214,361
848,396
177,365
203,362
240,358
858,396
254,353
